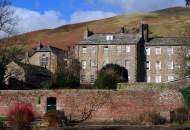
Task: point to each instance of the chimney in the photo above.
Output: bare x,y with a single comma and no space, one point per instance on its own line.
26,57
40,45
87,33
122,29
145,32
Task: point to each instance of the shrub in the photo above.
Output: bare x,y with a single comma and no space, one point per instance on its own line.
54,118
151,118
46,85
110,75
180,115
21,116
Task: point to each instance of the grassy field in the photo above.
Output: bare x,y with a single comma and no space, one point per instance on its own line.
167,22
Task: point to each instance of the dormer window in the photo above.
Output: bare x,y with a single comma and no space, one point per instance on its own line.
109,37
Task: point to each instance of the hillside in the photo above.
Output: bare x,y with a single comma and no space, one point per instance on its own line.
167,22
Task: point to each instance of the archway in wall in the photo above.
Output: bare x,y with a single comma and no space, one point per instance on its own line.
51,103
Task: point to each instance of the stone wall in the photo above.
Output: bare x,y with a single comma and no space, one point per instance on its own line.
98,105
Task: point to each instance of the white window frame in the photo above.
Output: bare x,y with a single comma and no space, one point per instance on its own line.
106,49
84,64
158,79
158,50
119,48
147,64
84,50
93,49
109,37
158,65
170,51
93,63
127,64
170,78
170,65
128,49
147,51
148,79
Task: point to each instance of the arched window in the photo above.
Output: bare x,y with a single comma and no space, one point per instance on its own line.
43,60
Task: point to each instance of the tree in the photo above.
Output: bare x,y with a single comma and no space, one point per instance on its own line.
187,3
8,20
6,56
110,75
69,75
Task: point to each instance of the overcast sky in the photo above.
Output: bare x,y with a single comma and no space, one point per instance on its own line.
43,14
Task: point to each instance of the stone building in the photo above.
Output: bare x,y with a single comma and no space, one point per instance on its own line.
164,58
146,59
20,76
48,57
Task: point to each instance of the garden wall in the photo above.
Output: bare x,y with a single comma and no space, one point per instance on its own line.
96,105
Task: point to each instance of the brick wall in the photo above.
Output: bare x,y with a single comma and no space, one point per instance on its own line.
105,105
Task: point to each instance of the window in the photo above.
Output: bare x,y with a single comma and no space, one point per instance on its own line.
105,62
92,79
188,52
93,63
118,49
93,49
106,50
170,65
148,79
83,64
147,51
83,78
109,37
170,51
43,60
128,49
84,50
158,79
127,63
158,65
147,65
170,78
158,51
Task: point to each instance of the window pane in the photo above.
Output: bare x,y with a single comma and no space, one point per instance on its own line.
158,51
170,51
127,48
147,51
170,65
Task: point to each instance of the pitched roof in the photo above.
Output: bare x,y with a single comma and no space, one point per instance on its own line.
118,38
165,41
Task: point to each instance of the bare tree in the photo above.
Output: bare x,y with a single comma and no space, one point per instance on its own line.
8,20
187,3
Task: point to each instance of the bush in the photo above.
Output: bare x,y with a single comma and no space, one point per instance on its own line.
54,118
110,75
21,116
186,95
180,115
151,118
46,85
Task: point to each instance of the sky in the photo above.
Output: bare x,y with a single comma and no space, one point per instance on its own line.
46,14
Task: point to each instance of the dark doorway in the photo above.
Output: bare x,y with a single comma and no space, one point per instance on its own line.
51,103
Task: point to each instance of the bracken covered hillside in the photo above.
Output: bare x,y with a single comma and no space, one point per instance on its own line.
167,22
